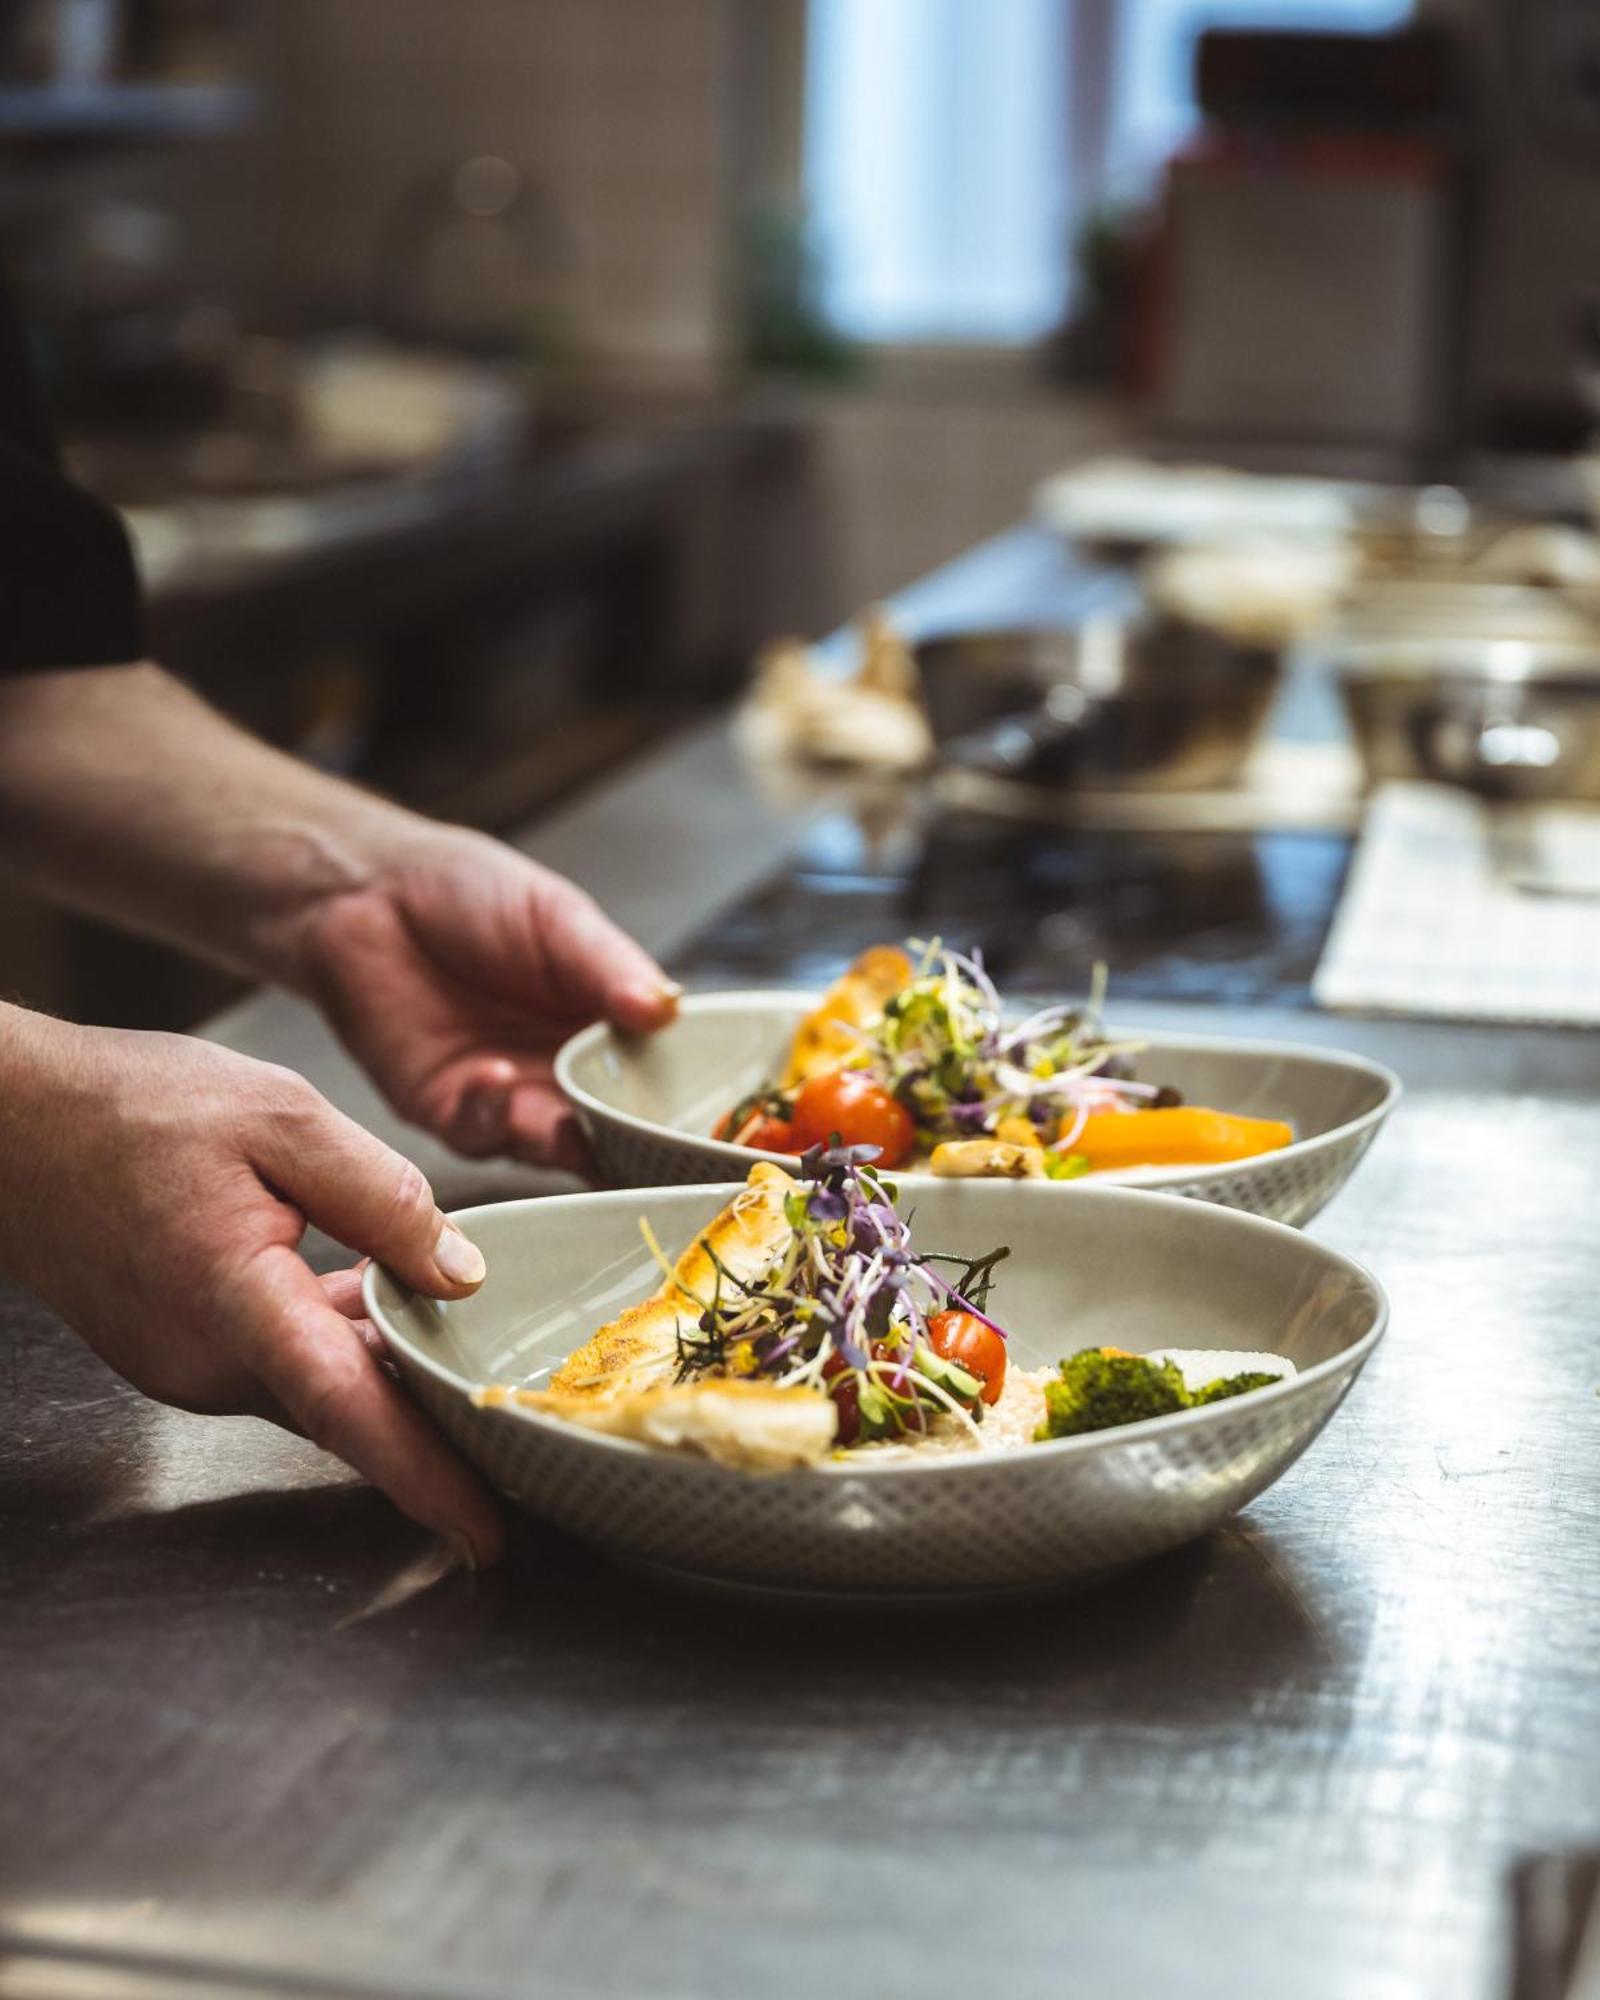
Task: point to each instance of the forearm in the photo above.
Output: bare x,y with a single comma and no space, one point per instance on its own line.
41,1080
124,795
451,967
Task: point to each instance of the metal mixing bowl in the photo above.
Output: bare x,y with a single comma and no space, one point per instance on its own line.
1114,704
1508,718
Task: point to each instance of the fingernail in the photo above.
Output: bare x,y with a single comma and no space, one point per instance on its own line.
656,996
458,1260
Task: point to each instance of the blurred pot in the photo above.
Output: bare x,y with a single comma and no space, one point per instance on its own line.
1507,718
1439,606
1113,704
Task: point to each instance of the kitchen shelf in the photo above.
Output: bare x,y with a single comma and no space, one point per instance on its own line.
124,110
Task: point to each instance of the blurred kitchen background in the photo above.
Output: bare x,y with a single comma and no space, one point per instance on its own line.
485,380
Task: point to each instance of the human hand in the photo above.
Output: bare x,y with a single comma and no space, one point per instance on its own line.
154,1189
455,973
452,967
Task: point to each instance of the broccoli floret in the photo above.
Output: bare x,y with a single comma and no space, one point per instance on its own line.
1096,1391
1234,1385
1099,1389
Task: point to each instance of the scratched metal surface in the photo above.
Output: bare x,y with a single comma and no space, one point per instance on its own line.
244,1723
1297,1758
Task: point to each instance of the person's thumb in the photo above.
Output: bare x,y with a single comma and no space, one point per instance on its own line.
361,1192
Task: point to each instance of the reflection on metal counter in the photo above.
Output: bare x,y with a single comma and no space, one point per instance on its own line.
1224,917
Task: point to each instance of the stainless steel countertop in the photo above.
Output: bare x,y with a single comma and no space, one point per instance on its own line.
245,1725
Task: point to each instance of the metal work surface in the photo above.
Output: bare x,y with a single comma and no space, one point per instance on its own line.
247,1724
1223,918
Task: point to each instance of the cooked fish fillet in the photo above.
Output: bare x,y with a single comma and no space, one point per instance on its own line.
640,1348
620,1381
752,1425
826,1037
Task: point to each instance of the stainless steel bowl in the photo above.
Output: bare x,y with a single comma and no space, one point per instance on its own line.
1114,704
1507,718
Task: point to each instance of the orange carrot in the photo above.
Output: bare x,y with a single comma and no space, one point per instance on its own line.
1183,1135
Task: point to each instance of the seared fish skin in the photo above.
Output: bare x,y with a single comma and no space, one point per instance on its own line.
620,1382
751,1425
640,1348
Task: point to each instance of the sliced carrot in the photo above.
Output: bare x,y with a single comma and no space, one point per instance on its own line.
1185,1135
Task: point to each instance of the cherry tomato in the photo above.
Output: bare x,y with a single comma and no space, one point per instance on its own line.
963,1338
860,1110
845,1390
768,1134
762,1129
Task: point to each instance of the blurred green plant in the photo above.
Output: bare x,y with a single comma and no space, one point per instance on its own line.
1109,248
783,328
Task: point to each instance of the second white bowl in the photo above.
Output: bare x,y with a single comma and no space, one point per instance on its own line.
648,1103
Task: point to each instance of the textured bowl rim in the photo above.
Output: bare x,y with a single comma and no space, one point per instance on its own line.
743,1000
1351,1360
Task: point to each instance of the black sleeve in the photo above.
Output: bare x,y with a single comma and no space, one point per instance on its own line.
69,594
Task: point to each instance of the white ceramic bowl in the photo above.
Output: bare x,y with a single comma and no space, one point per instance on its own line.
1129,1269
648,1103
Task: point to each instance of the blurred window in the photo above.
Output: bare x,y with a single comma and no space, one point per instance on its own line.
936,165
938,162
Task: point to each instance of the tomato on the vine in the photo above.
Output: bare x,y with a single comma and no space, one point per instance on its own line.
856,1106
966,1340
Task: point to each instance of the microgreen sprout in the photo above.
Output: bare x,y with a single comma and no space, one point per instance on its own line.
945,1051
844,1309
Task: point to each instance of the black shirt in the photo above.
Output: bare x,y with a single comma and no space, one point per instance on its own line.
69,594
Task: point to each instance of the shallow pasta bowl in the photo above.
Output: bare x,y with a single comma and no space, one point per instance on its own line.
1116,1268
648,1103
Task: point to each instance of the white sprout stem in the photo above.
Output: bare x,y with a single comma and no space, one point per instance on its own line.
1102,1055
1105,1049
781,1279
1068,1140
810,1372
927,950
660,1256
878,1223
1035,1024
977,977
863,1295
